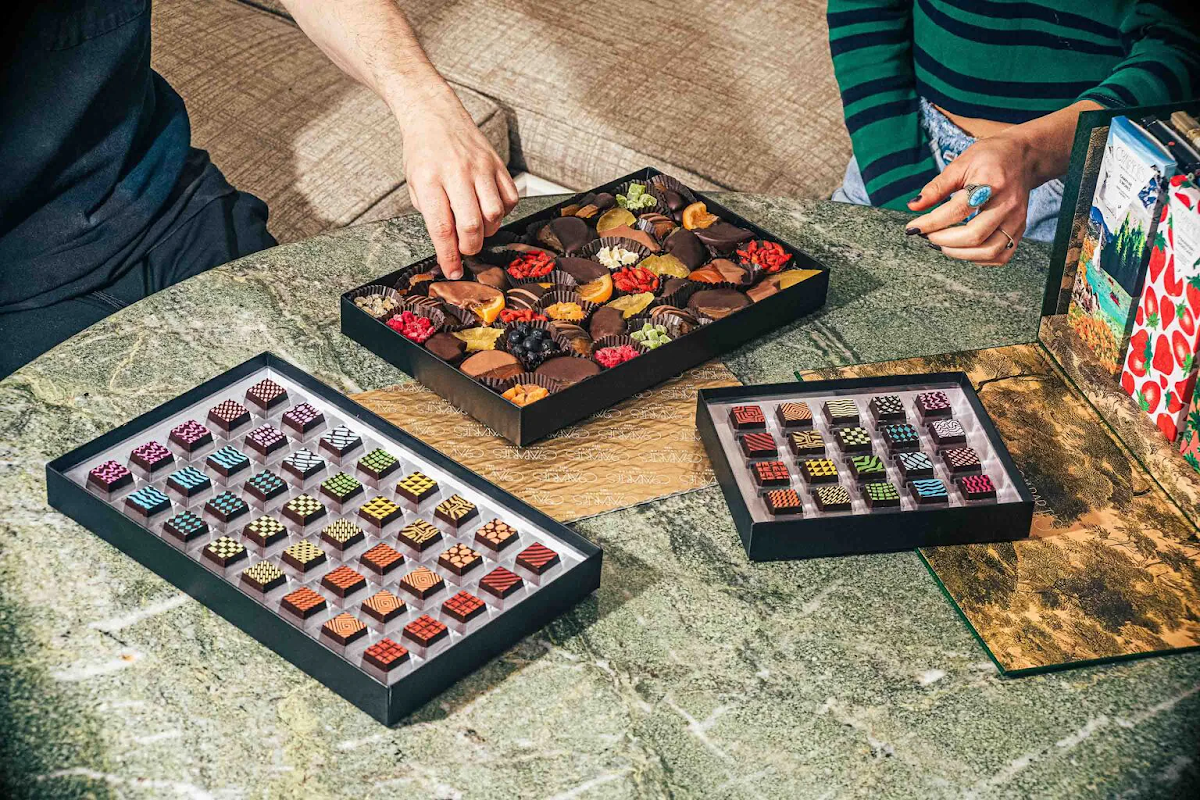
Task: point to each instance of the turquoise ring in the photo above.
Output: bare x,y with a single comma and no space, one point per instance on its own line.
978,194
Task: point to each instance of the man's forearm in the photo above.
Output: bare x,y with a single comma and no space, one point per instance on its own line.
372,42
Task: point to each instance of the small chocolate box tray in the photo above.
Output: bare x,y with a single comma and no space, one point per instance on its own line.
369,560
523,425
861,465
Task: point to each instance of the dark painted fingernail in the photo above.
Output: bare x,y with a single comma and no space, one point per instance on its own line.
915,199
937,247
1010,245
912,231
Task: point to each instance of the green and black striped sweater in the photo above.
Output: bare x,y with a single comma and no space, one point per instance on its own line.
1003,60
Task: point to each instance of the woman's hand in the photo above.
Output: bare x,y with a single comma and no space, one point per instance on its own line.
1002,162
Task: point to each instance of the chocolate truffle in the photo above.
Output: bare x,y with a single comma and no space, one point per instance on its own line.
265,531
881,494
934,405
266,394
190,436
868,467
501,583
794,415
928,490
417,488
607,321
747,418
568,369
460,559
684,245
759,445
381,559
422,583
976,487
303,464
447,347
832,498
341,487
783,502
151,457
265,440
723,238
841,412
718,303
770,473
226,506
263,576
947,432
189,481
303,509
340,442
303,418
420,535
537,558
819,470
463,607
379,512
854,439
378,464
186,527
342,534
490,363
303,556
385,655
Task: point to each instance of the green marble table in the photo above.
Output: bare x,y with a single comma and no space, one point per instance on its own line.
691,672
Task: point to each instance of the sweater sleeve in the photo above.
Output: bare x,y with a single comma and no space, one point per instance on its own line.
871,43
1162,64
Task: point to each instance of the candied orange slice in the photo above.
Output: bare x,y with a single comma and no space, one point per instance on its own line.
597,291
696,216
488,311
614,218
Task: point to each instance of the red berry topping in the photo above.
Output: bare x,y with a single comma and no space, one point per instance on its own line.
531,265
635,280
418,329
768,255
521,315
609,357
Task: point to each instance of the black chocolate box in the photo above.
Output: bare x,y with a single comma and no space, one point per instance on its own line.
527,424
861,465
386,625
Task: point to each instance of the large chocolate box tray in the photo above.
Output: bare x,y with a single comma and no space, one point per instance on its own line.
524,425
343,641
884,468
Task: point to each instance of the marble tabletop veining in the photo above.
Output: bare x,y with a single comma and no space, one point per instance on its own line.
690,673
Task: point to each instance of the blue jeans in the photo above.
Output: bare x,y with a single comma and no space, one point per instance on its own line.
948,141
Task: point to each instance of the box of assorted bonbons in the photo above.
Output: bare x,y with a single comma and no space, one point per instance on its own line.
586,303
861,465
366,558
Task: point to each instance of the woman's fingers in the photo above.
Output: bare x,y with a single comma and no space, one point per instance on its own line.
996,250
975,232
949,180
948,213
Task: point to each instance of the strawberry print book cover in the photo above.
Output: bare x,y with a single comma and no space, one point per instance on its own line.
1121,222
1160,363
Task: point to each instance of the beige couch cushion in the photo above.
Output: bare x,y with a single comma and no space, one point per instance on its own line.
728,93
283,122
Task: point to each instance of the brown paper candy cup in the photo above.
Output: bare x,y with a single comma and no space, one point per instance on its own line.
432,314
459,319
376,289
549,384
658,206
403,280
614,341
660,182
562,342
593,247
568,296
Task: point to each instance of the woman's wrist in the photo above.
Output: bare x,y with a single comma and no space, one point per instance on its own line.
1044,144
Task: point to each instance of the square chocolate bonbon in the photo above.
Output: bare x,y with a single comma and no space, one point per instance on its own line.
383,606
265,531
962,461
460,559
263,576
303,464
934,405
417,488
339,442
265,440
914,465
464,607
344,629
381,559
887,408
807,443
928,490
303,556
759,445
190,436
378,464
265,486
426,631
422,583
456,511
189,481
783,502
976,487
501,583
151,458
304,603
901,436
842,411
379,512
227,461
341,487
147,502
303,509
228,415
854,439
496,535
302,418
420,535
343,581
819,470
186,527
794,415
266,394
224,551
832,498
947,432
865,467
109,477
342,534
537,558
770,473
745,418
386,655
881,494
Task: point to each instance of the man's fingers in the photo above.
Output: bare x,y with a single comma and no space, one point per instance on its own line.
490,204
997,250
468,220
946,181
508,189
953,210
439,220
974,233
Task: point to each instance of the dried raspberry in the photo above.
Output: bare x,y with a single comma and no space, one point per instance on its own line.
635,280
770,256
531,265
609,357
412,327
521,315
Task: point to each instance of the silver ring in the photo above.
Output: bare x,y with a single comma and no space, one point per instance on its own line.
977,194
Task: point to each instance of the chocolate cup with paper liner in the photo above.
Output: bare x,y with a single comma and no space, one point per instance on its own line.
556,278
660,183
587,361
675,329
382,291
459,319
592,249
404,283
648,227
678,297
564,346
658,206
567,296
526,378
684,325
434,315
580,341
615,341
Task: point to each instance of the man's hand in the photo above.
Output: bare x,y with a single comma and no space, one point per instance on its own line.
455,179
